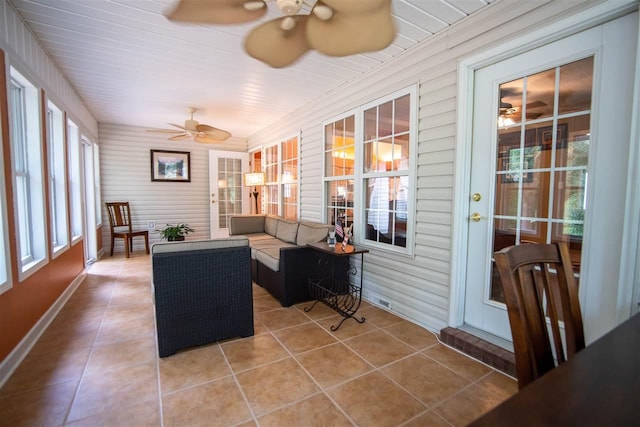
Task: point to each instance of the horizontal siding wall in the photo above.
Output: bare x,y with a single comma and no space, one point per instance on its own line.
25,52
126,176
417,287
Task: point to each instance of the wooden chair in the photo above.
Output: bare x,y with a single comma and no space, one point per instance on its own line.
120,224
538,283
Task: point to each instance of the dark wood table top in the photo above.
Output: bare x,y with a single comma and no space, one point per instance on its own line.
599,386
337,249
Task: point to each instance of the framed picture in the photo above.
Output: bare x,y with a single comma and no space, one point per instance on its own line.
172,166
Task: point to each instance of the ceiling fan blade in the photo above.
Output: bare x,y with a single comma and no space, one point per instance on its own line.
216,11
178,126
354,6
214,133
536,104
180,137
349,32
164,130
276,47
207,139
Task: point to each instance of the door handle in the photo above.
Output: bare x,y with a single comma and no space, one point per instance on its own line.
476,217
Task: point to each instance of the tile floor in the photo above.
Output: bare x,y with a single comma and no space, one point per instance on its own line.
97,365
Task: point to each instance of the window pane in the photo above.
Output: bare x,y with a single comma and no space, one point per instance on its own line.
402,114
385,119
575,86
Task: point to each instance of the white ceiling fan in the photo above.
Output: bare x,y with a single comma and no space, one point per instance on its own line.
193,129
332,27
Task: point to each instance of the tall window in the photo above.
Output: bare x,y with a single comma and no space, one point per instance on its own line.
57,178
339,169
96,183
369,153
289,178
272,172
5,265
281,170
75,180
27,171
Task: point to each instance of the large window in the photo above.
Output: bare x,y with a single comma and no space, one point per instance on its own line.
5,265
281,170
75,180
27,171
369,171
57,179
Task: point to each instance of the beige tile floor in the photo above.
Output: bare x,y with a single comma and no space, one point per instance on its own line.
97,365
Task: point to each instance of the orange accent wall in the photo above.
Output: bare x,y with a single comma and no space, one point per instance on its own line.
26,302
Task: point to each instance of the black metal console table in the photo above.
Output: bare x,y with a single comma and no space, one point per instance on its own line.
330,283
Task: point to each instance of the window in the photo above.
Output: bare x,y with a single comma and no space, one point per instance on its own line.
369,153
75,180
57,178
5,265
27,171
281,171
96,183
289,178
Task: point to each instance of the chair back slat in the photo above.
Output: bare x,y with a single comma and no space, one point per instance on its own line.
541,294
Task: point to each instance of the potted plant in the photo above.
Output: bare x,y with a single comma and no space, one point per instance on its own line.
175,232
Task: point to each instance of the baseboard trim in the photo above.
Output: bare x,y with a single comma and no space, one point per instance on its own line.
17,355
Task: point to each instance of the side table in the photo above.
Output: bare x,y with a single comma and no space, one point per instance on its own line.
330,283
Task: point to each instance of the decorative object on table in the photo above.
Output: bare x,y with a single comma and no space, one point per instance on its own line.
347,236
255,180
332,27
339,230
192,129
175,233
331,240
170,166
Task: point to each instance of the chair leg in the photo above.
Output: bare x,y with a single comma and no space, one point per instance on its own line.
112,242
146,242
126,246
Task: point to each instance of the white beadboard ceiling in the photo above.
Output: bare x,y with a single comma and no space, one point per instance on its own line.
132,66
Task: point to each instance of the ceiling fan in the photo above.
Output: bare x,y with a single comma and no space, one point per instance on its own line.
193,129
332,27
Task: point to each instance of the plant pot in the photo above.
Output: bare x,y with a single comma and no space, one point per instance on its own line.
175,239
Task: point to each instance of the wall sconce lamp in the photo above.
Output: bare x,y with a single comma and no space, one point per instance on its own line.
254,179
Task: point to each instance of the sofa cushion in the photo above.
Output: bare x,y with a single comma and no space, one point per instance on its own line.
269,258
194,245
247,224
287,230
271,225
308,233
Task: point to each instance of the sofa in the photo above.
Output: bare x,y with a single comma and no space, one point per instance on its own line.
202,291
280,259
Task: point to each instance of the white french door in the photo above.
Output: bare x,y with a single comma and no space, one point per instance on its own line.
227,196
549,159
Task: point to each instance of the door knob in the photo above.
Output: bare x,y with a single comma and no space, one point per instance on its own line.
476,197
476,217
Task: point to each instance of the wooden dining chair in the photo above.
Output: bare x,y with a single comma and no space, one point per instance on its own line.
120,224
539,286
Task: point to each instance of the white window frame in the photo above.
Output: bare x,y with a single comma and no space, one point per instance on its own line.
96,184
276,183
75,181
283,182
359,177
5,267
56,154
29,208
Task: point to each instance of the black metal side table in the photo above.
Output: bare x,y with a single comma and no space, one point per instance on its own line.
330,282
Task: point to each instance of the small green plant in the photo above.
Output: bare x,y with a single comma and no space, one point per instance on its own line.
175,232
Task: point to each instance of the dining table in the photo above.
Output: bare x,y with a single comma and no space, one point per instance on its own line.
598,386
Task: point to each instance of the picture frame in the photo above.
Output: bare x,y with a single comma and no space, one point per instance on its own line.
170,166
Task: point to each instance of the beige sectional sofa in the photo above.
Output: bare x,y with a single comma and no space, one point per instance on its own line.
280,259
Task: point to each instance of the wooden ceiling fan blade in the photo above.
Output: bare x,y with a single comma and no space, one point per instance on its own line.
164,130
207,139
350,33
216,11
180,137
276,47
213,132
354,6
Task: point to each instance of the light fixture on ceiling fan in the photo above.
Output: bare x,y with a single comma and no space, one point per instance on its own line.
192,129
333,27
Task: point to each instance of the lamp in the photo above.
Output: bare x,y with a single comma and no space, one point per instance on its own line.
254,179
